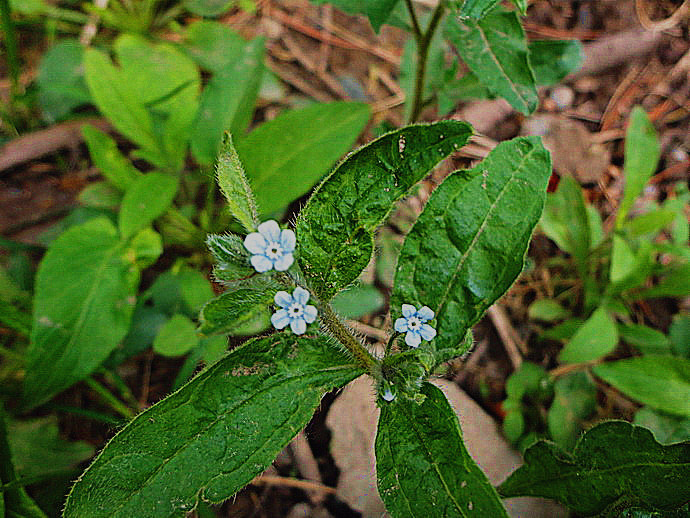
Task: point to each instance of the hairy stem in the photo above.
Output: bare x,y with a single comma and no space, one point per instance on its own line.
423,41
343,335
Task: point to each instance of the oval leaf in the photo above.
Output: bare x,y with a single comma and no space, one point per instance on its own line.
596,338
148,197
613,462
334,231
231,310
422,465
214,435
468,245
662,382
176,337
85,293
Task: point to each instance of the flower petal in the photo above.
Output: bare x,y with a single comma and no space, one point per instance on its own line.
287,240
408,310
400,325
300,295
255,243
280,319
284,262
310,313
427,332
261,263
298,326
270,230
388,395
283,299
425,313
413,339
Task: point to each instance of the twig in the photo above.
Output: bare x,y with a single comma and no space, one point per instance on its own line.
288,76
274,480
661,25
508,335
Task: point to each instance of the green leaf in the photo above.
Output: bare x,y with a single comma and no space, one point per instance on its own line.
148,197
641,158
662,382
61,84
227,102
14,500
675,283
214,435
623,259
378,11
208,8
232,258
176,337
422,466
521,5
596,338
468,246
476,9
531,380
358,301
100,195
335,228
547,310
284,157
39,451
679,334
146,246
146,321
495,49
214,46
575,398
553,60
235,187
646,339
651,222
613,462
667,429
85,293
232,309
103,150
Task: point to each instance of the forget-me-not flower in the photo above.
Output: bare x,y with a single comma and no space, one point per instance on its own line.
271,247
294,311
413,322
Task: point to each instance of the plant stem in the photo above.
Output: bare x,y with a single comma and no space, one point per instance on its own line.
354,346
111,400
10,38
423,41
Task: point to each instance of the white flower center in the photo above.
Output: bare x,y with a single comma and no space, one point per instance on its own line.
295,310
414,323
274,251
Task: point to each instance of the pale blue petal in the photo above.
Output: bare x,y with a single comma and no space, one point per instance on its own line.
400,325
283,299
388,395
255,243
310,313
300,295
284,262
427,332
270,230
287,240
298,326
261,263
280,319
408,310
425,313
413,339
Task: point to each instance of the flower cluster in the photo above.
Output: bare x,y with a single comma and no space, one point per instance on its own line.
413,322
271,247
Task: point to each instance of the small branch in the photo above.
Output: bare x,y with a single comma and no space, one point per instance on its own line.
273,480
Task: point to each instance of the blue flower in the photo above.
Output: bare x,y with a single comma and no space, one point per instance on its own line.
294,311
413,323
271,247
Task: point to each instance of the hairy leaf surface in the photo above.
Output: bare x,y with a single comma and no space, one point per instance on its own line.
422,465
613,462
214,435
85,294
468,245
235,187
231,310
335,229
495,49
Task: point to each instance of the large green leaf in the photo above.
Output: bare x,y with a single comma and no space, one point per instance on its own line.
215,434
495,49
613,463
378,11
641,158
596,338
235,187
468,245
148,197
422,466
85,294
227,102
284,157
334,230
212,45
662,382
